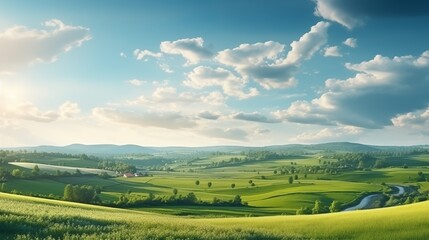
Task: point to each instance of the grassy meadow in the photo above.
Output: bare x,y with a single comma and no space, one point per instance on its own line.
34,218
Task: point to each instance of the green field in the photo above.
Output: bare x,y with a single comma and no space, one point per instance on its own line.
30,218
271,193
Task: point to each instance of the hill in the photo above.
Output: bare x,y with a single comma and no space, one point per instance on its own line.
29,218
111,149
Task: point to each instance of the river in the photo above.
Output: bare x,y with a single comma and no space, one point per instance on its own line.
367,201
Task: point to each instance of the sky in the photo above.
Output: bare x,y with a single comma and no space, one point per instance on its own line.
201,73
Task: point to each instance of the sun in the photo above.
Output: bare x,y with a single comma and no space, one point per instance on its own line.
11,94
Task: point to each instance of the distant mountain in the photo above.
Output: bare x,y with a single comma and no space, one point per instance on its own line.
111,149
97,149
345,147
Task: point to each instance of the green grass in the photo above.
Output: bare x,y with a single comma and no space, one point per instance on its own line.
30,218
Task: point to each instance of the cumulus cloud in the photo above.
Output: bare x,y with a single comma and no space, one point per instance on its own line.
308,44
232,85
69,110
333,51
168,97
145,54
228,133
382,89
250,54
21,46
414,119
328,135
265,62
352,13
192,49
254,117
351,42
28,111
168,120
214,98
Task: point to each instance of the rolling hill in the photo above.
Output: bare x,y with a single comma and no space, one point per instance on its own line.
30,218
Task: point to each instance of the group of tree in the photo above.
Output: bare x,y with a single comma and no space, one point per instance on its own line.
128,200
83,194
251,156
117,166
319,208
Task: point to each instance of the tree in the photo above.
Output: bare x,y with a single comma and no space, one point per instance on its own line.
290,180
35,170
253,184
191,198
78,172
408,200
361,165
250,181
197,182
305,175
209,184
303,211
335,206
237,200
16,172
233,185
3,187
68,192
175,191
275,172
318,207
295,177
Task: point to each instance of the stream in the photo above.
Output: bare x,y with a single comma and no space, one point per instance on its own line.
366,201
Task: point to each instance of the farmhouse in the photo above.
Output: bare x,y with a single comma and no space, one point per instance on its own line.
128,175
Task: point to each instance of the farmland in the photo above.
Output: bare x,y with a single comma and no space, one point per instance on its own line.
29,218
268,182
193,194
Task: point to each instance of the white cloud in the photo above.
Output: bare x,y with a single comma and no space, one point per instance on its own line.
145,54
122,54
308,44
167,120
165,67
232,85
250,54
331,10
214,98
21,46
332,51
351,42
69,110
418,120
167,97
382,89
342,133
14,108
192,49
265,62
228,133
136,82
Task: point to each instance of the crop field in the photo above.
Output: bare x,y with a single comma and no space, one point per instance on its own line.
53,168
265,191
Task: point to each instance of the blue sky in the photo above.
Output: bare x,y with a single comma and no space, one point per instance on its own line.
196,73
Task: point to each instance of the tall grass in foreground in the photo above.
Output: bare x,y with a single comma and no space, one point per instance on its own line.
31,218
